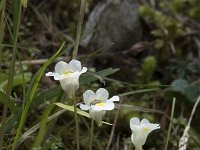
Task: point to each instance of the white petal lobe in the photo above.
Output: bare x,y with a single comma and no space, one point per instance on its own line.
107,106
84,70
102,94
75,65
135,121
114,99
50,74
84,107
144,120
89,96
62,67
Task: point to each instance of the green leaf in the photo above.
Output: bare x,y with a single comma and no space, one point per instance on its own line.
191,92
10,103
179,85
12,120
17,80
80,112
90,78
48,95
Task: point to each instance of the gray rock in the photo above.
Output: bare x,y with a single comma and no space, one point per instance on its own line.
113,25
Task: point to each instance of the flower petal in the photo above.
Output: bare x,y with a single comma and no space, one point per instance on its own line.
134,122
62,67
84,107
113,99
139,135
106,106
50,74
84,69
58,77
102,94
89,96
144,120
138,138
141,130
75,65
72,75
55,75
151,126
69,85
97,115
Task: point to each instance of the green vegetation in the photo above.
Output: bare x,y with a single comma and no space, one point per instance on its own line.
37,114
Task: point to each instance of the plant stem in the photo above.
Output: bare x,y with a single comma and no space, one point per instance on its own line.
170,124
77,127
91,134
2,26
74,55
79,28
114,126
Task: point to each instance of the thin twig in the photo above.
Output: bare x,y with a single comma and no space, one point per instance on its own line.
136,108
113,127
79,28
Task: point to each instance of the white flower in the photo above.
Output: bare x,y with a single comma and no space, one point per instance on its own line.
97,103
68,75
140,131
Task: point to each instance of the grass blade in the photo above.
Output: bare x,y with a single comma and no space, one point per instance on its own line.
43,127
170,124
16,22
31,93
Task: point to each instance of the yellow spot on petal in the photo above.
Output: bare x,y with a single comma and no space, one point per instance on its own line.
100,104
145,129
67,73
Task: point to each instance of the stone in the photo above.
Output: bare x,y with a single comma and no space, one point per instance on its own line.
113,25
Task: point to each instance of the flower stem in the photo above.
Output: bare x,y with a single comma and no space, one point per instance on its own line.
170,124
139,148
91,134
77,127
